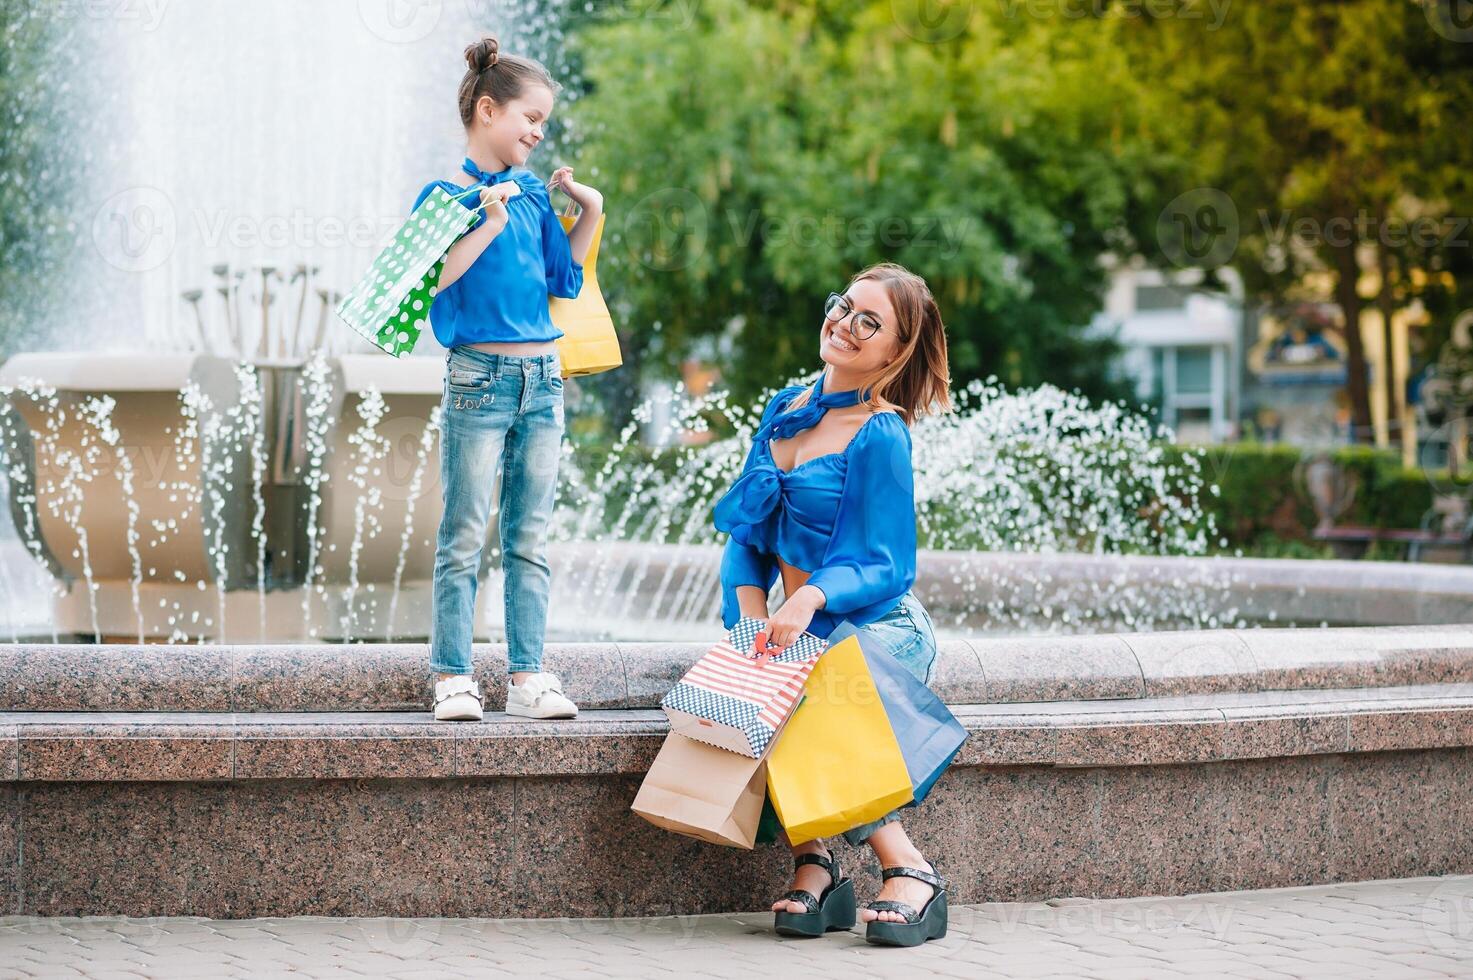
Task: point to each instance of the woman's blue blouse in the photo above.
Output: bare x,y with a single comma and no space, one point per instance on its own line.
503,295
848,517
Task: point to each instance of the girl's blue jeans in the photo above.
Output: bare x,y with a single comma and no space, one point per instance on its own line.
909,635
499,411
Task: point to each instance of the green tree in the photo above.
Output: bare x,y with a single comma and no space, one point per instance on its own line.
1333,129
755,160
37,197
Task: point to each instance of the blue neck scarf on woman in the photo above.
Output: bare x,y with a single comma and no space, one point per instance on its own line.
786,424
757,492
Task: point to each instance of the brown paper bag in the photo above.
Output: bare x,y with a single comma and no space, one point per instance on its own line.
701,791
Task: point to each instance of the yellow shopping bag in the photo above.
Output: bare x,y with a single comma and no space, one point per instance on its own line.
837,764
588,344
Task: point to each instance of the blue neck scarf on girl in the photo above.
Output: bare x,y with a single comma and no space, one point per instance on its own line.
484,176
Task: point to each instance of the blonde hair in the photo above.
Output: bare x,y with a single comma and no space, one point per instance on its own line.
918,381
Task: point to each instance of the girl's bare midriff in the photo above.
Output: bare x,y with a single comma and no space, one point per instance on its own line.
520,349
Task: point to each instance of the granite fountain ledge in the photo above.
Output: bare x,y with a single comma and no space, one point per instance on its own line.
207,746
210,781
612,676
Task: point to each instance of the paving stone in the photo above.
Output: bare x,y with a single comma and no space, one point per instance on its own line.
1382,929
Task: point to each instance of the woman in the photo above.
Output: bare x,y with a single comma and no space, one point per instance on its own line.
826,500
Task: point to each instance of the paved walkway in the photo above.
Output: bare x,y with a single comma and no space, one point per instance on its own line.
1417,927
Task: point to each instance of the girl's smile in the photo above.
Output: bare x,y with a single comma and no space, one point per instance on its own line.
513,131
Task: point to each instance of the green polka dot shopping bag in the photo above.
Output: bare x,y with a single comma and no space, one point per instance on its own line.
390,306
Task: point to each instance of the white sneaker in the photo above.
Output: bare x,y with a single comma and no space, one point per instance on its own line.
539,696
457,698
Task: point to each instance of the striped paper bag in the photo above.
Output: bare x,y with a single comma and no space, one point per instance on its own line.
737,700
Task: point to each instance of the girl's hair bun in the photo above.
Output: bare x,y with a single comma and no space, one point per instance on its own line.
512,76
483,54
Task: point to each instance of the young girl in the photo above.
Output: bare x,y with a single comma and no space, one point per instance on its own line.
503,400
827,500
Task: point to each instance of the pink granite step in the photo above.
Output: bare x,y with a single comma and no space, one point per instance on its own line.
396,677
186,746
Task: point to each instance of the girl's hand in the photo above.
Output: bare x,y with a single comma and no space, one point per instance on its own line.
584,196
499,193
494,198
789,621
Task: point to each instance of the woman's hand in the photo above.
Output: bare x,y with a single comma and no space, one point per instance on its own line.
584,196
792,619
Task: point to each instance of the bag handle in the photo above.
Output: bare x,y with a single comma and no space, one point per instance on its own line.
764,655
567,209
474,188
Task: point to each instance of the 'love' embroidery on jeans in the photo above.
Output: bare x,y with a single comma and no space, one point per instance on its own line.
462,401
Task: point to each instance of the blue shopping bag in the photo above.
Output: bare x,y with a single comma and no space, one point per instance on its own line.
928,734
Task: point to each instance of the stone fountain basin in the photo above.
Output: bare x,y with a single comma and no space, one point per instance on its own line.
248,781
210,537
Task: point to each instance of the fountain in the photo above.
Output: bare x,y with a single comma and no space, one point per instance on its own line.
209,460
213,459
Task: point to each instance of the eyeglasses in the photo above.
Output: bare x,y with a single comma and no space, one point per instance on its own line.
864,325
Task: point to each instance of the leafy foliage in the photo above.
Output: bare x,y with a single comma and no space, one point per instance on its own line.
764,154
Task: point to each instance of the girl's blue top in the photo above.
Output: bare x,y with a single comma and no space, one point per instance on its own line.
848,517
503,295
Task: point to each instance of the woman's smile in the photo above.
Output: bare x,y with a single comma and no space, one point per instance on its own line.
840,344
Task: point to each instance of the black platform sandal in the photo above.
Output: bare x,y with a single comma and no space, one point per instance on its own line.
928,923
834,909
